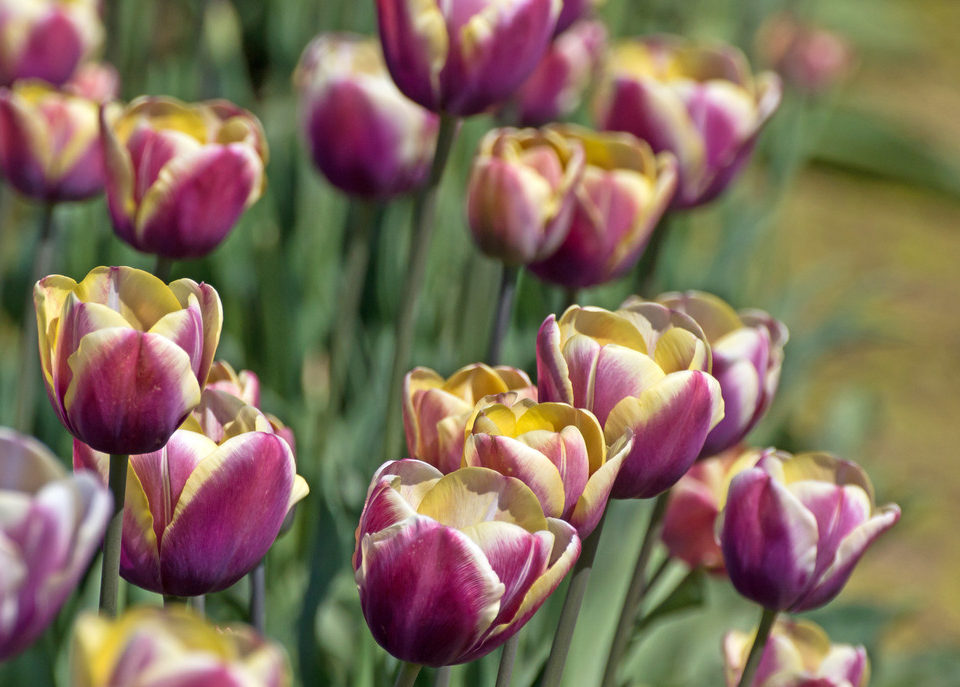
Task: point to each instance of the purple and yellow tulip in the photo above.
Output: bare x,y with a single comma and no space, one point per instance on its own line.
494,557
464,56
794,528
810,58
700,102
173,647
202,511
520,198
124,356
573,11
245,384
51,524
366,137
798,654
623,193
180,175
643,371
436,410
747,351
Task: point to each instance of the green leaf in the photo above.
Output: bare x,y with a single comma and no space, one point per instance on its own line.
689,593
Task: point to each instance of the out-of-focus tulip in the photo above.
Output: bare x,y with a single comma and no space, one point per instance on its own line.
50,143
574,10
124,356
794,527
702,103
436,410
809,58
463,56
556,87
747,351
520,199
98,81
51,524
493,560
643,371
46,39
798,654
202,511
624,192
180,175
366,137
173,646
555,449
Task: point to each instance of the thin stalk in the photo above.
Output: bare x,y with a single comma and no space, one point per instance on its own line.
442,678
570,297
29,356
162,268
759,642
507,659
110,574
199,604
407,675
258,596
646,269
553,671
657,574
635,593
501,321
171,600
424,205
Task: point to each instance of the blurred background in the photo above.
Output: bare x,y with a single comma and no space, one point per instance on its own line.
846,227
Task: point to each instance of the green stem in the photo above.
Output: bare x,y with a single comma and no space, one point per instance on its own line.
110,574
553,671
171,600
646,269
424,205
407,675
199,604
258,596
501,321
507,659
635,593
442,678
759,642
162,268
570,297
657,574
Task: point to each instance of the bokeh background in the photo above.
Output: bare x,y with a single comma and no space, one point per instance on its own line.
846,226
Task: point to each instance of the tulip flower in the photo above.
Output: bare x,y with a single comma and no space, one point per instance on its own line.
642,371
173,646
747,355
436,410
624,192
50,143
811,59
520,198
98,81
51,524
245,385
366,137
124,356
574,10
699,102
47,39
798,654
463,56
794,527
179,175
450,567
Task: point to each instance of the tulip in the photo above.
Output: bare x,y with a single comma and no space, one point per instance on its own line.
798,654
794,527
450,567
574,10
124,356
747,355
180,175
245,385
50,143
436,410
51,524
811,59
624,191
365,136
98,81
463,56
699,102
643,371
154,646
521,195
47,39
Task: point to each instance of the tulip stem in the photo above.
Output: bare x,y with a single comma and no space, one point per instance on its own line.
635,593
553,671
767,620
162,268
501,322
570,297
407,675
258,596
442,678
424,205
110,574
646,270
507,659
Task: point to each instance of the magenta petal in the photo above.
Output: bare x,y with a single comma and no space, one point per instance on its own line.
19,162
405,53
553,380
52,51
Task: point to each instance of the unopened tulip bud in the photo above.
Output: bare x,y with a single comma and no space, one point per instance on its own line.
811,59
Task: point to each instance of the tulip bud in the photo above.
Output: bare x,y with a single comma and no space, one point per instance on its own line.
51,524
98,81
809,58
574,10
171,646
463,56
623,193
124,356
798,654
245,385
365,136
493,558
521,195
699,102
179,176
794,527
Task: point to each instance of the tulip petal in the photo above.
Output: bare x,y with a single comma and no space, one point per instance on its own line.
621,372
553,373
592,502
211,310
740,387
415,46
139,547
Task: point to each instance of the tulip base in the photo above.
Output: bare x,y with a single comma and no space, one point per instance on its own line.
110,574
767,620
162,268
